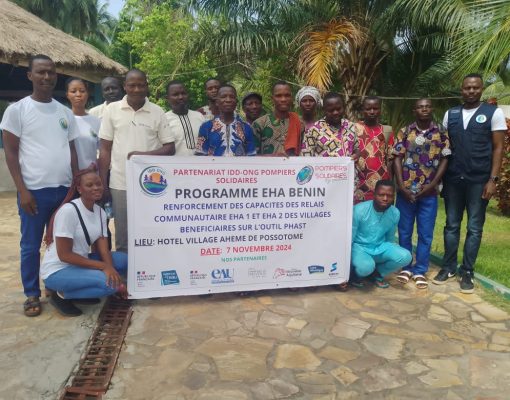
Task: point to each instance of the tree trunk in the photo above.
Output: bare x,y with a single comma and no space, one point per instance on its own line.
358,67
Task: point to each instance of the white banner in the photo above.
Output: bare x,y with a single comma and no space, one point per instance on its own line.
207,225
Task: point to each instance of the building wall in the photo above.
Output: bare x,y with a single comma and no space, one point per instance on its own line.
6,183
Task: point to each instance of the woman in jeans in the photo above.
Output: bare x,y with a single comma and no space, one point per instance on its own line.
68,267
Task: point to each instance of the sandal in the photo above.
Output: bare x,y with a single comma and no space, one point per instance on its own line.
379,281
420,281
404,276
342,287
355,280
32,306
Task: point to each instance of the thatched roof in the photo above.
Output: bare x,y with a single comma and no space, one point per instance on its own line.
22,35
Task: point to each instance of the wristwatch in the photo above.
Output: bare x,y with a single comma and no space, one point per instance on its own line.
494,179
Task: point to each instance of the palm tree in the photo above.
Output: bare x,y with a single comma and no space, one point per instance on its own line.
328,41
478,31
86,19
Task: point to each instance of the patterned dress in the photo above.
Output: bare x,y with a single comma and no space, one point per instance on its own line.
375,154
324,140
216,138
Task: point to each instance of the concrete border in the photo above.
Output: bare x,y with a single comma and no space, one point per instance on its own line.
484,281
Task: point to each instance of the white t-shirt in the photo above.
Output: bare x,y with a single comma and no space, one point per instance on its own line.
67,225
145,129
44,131
185,130
498,122
87,143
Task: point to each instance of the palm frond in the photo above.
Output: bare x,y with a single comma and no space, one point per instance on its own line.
319,49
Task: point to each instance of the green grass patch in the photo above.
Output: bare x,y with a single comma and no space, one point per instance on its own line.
494,255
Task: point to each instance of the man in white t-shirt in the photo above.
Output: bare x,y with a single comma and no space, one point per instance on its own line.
184,123
132,126
38,135
477,133
111,89
210,110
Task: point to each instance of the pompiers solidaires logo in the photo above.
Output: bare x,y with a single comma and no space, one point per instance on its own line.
153,181
304,175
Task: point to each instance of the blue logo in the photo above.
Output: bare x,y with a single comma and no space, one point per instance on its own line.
304,175
222,275
333,270
169,278
316,269
153,181
481,118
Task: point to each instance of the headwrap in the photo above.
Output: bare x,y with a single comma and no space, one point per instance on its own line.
309,91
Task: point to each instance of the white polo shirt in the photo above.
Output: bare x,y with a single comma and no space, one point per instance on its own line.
145,129
44,131
185,130
98,111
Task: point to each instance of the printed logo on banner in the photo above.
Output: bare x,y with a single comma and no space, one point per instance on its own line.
315,269
257,273
222,275
142,278
169,278
333,270
195,277
305,175
153,181
288,273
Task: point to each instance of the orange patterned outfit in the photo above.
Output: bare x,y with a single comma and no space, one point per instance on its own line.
372,165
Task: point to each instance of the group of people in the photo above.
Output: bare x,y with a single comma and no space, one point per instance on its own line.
52,153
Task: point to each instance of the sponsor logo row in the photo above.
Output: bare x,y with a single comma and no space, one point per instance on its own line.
227,275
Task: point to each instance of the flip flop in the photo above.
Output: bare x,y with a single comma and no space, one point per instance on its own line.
420,281
404,276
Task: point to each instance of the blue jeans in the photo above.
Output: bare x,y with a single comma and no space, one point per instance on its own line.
424,211
391,258
82,283
457,197
32,229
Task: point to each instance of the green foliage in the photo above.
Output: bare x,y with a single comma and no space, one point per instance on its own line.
503,187
159,42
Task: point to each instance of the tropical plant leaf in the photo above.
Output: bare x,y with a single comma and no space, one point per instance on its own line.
320,49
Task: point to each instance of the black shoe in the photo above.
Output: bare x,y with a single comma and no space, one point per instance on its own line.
467,282
443,276
64,307
87,301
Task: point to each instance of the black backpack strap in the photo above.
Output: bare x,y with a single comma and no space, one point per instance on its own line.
86,233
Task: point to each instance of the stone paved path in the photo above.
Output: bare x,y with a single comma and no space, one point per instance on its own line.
396,343
36,354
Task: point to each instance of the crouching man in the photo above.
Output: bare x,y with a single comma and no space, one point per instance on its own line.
374,251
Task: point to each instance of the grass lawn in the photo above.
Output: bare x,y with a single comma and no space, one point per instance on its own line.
494,256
